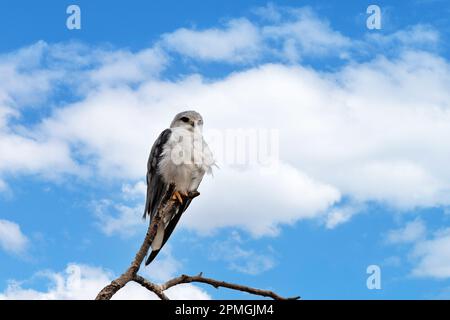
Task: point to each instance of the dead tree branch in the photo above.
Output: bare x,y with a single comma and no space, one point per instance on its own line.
168,204
131,273
216,284
158,290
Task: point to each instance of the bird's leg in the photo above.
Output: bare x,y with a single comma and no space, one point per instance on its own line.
184,194
177,196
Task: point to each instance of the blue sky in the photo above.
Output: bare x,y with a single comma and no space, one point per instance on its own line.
360,118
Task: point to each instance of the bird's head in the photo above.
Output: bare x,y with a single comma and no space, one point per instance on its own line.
190,120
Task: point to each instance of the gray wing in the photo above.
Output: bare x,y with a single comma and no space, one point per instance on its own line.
156,186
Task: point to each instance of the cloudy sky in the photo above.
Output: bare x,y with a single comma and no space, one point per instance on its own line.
358,122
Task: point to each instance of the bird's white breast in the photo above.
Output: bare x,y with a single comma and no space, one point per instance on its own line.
186,158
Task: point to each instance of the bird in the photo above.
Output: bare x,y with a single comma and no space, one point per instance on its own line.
178,161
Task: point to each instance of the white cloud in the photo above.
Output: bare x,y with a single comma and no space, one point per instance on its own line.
24,81
340,215
417,36
119,66
133,191
253,205
412,232
268,12
433,256
164,267
3,186
67,63
240,259
290,34
11,237
25,84
123,215
306,34
118,147
430,256
32,75
83,282
27,155
116,218
239,41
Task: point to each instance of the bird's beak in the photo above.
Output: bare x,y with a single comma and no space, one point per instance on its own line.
192,123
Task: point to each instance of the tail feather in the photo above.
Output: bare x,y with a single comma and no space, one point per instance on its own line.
151,257
168,231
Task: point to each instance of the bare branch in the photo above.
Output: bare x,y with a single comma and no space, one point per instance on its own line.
151,286
216,284
167,205
107,292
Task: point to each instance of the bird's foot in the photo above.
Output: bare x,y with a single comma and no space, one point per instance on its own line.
178,196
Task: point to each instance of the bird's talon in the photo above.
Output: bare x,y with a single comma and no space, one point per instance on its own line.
177,196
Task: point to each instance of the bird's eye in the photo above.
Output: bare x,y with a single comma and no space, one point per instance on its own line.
184,119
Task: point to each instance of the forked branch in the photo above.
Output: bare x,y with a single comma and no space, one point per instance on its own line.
131,274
